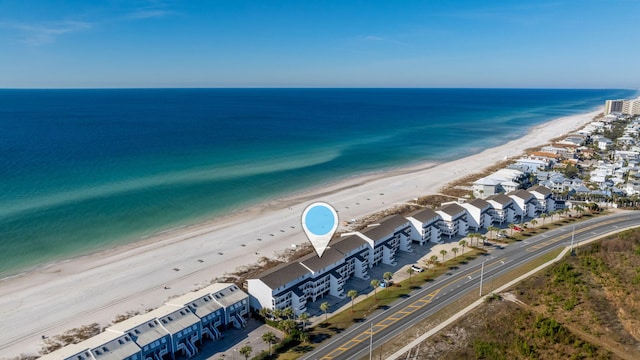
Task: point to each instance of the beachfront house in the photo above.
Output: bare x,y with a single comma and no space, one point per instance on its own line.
177,328
454,219
503,208
111,346
533,165
145,330
524,203
184,328
545,202
503,180
424,226
202,304
479,214
234,301
486,186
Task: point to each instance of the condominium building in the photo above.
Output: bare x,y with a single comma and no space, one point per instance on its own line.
454,219
311,277
503,208
479,211
177,328
424,226
524,203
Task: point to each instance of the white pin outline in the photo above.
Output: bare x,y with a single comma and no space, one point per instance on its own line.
323,238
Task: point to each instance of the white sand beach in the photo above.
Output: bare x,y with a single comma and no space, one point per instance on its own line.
97,287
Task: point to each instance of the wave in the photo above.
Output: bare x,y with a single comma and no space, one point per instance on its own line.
191,176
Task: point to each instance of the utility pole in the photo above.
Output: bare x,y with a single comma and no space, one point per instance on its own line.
573,233
481,276
371,341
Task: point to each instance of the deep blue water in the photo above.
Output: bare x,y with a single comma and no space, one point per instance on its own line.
86,169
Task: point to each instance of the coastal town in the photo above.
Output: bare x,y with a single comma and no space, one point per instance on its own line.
597,166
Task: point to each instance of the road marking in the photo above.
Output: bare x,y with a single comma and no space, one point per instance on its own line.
365,335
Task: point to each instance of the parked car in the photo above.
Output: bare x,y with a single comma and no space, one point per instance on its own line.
416,268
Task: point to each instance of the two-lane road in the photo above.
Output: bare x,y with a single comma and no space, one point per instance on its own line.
385,324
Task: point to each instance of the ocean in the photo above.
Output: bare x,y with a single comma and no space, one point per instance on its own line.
82,170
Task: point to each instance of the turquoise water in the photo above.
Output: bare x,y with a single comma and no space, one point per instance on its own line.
82,170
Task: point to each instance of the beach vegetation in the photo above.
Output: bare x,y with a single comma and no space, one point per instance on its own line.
72,336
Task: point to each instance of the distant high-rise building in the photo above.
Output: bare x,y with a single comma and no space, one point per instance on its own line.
613,106
631,107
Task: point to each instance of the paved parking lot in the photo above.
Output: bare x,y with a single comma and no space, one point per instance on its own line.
228,347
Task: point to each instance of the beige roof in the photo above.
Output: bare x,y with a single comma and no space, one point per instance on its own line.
144,328
229,295
111,346
175,318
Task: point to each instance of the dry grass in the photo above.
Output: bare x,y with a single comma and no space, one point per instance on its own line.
584,307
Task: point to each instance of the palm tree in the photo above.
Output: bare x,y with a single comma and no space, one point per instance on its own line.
246,351
304,317
492,229
543,216
434,260
287,326
410,272
374,284
462,244
443,252
534,222
265,312
387,276
512,226
288,312
455,251
269,338
473,236
325,307
352,294
277,314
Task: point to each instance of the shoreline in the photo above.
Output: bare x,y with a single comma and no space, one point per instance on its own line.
47,295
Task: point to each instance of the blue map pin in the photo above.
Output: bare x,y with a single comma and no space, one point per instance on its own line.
319,222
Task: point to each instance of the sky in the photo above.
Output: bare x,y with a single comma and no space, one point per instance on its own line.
316,43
